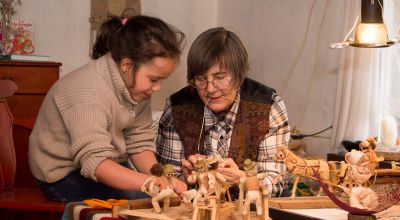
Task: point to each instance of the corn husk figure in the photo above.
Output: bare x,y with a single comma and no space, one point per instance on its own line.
361,197
368,147
216,180
251,183
358,171
199,175
151,188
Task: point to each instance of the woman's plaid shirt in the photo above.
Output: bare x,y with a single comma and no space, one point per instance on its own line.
218,137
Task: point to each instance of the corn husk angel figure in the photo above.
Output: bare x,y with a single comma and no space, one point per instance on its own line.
200,176
156,191
216,181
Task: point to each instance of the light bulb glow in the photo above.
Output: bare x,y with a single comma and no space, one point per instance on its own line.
371,33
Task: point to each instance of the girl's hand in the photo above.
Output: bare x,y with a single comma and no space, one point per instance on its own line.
161,182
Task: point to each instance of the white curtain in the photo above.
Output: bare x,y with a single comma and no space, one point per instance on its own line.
358,93
390,83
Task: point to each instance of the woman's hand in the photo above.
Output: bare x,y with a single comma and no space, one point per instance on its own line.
229,163
187,168
193,158
187,165
178,186
231,171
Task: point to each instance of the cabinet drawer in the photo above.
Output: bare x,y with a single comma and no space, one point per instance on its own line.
25,105
31,80
31,77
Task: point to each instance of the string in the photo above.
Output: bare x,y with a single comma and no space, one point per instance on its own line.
202,127
203,121
352,28
229,98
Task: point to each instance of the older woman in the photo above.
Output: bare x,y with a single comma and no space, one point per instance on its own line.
223,112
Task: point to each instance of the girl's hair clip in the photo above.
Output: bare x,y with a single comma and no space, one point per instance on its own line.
124,21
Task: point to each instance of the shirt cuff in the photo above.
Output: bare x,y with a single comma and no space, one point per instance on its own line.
89,167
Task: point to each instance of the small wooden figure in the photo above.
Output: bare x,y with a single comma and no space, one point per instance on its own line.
199,175
254,190
359,169
302,167
361,197
216,181
151,188
368,147
358,166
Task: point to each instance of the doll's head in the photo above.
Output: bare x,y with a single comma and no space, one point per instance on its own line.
213,162
200,165
168,170
250,167
157,170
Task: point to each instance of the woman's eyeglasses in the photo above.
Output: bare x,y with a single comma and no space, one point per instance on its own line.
219,82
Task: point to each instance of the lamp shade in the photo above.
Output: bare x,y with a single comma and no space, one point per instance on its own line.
371,35
371,31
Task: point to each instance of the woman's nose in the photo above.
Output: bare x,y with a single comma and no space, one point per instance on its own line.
211,87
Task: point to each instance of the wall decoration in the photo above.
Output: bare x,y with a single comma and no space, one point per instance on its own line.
7,11
102,9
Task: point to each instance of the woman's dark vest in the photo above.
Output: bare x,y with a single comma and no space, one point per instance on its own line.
251,126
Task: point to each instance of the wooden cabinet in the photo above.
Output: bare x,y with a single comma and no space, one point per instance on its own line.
34,80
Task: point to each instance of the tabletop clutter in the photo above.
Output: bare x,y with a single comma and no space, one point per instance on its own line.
349,185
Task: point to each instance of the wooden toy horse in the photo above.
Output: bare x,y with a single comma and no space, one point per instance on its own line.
302,167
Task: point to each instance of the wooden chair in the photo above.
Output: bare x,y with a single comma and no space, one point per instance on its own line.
213,207
20,198
7,155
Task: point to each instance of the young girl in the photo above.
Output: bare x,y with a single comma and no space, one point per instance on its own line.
96,117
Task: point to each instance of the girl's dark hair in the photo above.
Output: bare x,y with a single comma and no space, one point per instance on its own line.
218,45
141,39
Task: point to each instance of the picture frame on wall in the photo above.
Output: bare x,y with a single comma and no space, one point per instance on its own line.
100,10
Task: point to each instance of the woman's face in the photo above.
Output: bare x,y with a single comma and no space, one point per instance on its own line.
219,91
148,77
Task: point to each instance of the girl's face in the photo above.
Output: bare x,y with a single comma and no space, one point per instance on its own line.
148,77
216,89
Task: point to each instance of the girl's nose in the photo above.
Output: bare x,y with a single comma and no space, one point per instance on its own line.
156,87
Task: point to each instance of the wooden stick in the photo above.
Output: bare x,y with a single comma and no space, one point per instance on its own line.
146,203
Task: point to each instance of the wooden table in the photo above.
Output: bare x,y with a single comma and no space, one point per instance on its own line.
184,212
